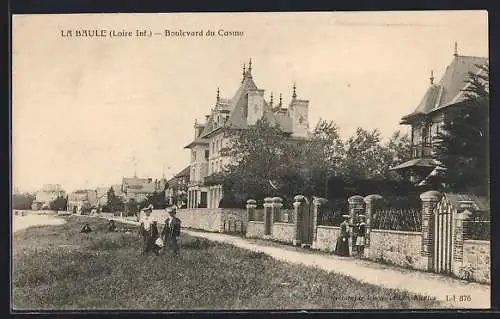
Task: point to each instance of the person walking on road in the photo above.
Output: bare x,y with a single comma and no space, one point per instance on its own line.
171,231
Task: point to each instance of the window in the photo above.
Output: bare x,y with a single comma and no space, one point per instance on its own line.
207,153
194,156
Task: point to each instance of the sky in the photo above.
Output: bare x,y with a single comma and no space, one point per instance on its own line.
84,110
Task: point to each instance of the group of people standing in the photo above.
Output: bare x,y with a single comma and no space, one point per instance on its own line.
154,240
342,245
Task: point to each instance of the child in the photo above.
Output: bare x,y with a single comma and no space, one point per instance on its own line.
360,240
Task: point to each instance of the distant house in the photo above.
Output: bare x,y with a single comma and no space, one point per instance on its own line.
46,195
82,200
428,118
140,188
176,193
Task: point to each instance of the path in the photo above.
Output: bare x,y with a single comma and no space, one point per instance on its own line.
423,283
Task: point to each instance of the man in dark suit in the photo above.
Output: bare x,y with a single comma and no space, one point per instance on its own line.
171,231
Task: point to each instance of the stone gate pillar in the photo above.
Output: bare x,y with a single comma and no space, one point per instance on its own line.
277,204
429,200
458,241
356,207
268,215
299,206
251,206
370,201
319,204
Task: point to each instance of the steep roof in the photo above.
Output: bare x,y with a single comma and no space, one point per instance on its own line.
134,180
184,172
237,118
146,188
449,90
198,141
235,106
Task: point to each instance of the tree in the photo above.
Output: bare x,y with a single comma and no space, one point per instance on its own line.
22,201
157,199
321,158
132,207
60,203
258,156
114,203
364,157
397,150
463,145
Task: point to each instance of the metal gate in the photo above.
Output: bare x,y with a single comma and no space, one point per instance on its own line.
442,250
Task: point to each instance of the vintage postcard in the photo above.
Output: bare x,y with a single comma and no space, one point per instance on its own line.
242,161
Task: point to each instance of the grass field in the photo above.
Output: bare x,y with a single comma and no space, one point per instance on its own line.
56,267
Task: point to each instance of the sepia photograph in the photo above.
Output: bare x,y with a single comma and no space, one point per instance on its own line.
250,161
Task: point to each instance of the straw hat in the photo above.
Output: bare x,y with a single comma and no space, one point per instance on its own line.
346,216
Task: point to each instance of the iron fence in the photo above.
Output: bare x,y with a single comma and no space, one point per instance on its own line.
477,229
478,226
258,215
233,226
285,216
401,219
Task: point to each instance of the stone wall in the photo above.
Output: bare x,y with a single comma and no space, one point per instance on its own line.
284,232
209,219
396,247
326,237
477,255
235,214
255,229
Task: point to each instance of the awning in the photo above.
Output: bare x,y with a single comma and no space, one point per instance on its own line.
416,162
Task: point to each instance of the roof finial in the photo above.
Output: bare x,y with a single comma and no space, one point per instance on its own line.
432,77
294,95
218,95
244,73
456,49
249,72
281,100
271,101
